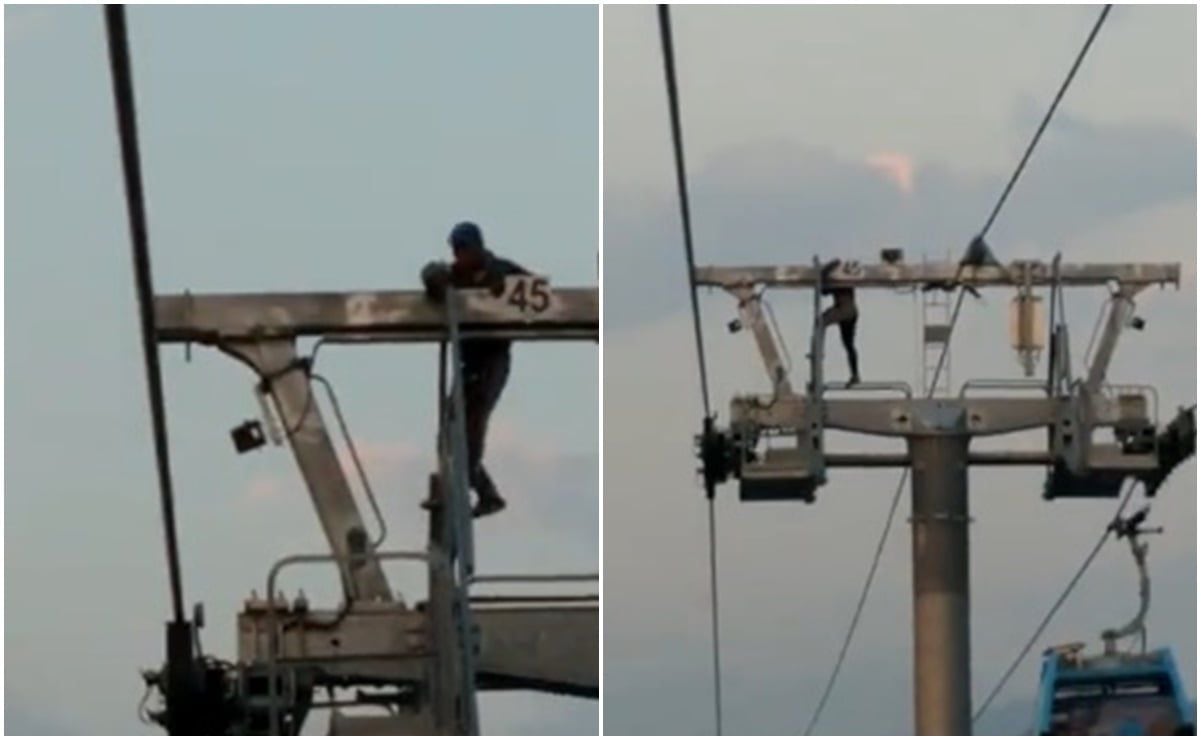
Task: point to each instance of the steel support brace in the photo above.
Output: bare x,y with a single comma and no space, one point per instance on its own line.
1121,310
300,416
750,312
941,606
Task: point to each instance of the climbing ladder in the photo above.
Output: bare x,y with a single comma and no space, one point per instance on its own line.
935,335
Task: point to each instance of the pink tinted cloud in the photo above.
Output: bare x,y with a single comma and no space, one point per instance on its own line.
385,457
382,458
508,440
512,450
896,167
264,487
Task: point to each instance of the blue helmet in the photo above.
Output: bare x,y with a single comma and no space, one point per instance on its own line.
466,235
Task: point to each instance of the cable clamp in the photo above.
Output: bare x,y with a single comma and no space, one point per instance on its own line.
304,364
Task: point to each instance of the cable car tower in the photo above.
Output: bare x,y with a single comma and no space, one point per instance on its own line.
774,443
423,663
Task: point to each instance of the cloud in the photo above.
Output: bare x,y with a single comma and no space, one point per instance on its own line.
23,24
264,487
382,459
552,494
23,717
896,167
509,440
777,201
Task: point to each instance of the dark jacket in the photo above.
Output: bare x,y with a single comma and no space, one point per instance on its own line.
478,353
841,294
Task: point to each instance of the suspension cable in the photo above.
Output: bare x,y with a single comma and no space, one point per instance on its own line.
1046,119
714,611
938,371
673,98
1088,560
677,138
992,217
123,97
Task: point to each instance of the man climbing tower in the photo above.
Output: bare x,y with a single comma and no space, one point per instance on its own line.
978,254
485,362
845,313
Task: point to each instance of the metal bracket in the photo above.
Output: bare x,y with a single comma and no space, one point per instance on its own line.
275,631
1131,529
941,517
1121,310
788,471
750,312
289,385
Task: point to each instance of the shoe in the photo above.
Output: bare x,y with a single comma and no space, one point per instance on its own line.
853,381
488,505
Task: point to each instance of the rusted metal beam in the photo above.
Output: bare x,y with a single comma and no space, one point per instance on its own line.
381,316
886,275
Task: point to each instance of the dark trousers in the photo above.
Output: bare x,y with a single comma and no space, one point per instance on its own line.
846,315
483,383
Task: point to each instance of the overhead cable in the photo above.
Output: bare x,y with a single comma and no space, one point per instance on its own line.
673,99
127,129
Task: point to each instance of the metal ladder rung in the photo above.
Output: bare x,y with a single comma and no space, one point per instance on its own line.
936,333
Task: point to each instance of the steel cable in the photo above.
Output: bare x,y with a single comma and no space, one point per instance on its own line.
123,97
669,73
1088,560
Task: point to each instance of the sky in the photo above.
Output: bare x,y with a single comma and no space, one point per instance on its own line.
283,149
837,131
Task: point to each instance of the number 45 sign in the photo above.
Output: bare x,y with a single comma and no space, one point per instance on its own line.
529,294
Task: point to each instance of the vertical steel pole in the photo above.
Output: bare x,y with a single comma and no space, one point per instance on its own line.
942,638
459,507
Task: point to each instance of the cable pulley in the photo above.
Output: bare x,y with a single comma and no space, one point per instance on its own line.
718,453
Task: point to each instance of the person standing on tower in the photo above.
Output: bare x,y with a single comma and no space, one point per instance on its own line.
485,362
845,313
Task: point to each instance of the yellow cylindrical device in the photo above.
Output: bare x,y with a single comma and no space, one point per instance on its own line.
1027,329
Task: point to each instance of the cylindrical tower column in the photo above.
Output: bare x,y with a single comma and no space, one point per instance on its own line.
942,637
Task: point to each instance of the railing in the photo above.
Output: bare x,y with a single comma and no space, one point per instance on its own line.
899,386
273,624
1004,384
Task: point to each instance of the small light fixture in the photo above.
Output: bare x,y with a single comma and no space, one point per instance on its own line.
248,436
